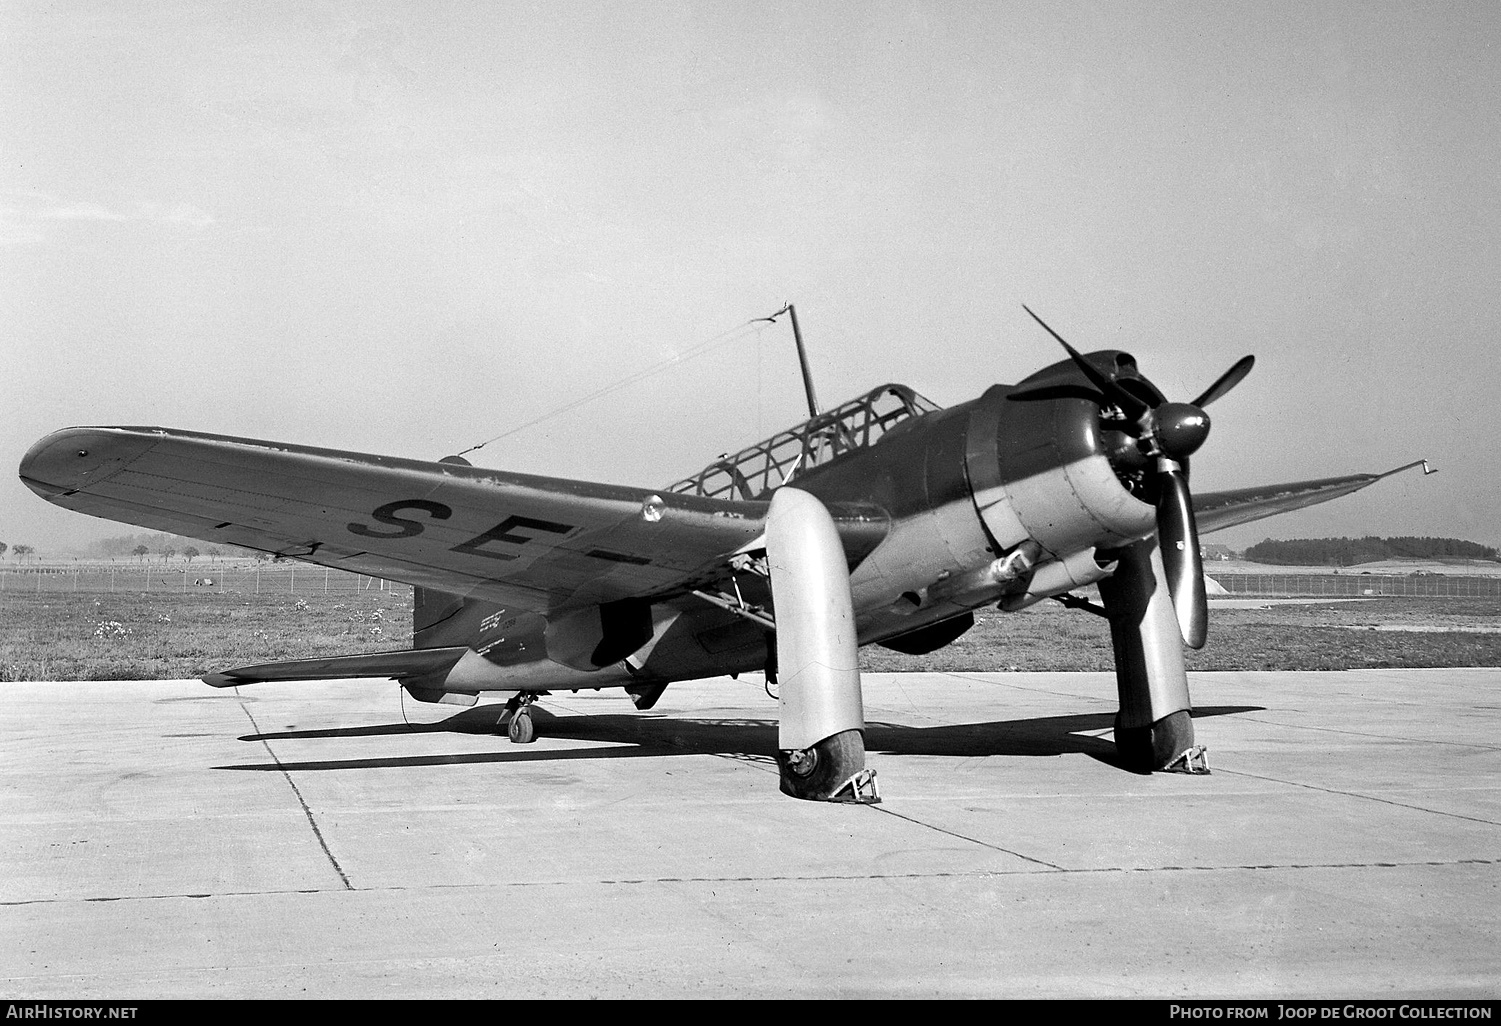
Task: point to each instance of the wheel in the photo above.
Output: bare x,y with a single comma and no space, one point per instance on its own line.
817,773
1145,749
522,730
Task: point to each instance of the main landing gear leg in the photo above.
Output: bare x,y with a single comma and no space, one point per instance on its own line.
1154,729
518,720
821,737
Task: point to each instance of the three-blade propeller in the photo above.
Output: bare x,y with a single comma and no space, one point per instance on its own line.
1168,433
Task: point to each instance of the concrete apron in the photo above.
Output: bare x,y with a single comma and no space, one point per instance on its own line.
166,840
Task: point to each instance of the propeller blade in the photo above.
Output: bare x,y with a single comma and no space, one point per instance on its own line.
1178,539
1058,392
1131,406
1227,381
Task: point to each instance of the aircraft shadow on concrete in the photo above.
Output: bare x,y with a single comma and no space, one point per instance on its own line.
641,735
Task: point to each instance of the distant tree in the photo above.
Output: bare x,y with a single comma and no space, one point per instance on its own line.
1370,549
168,553
22,551
3,547
189,552
140,552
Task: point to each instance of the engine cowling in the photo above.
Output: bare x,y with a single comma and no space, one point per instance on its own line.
1049,473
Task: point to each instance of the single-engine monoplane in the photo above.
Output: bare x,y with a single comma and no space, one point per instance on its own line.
884,520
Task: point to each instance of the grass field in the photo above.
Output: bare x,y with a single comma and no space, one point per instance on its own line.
180,634
1322,636
171,635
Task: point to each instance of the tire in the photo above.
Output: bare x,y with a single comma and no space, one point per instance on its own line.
1144,749
831,763
522,730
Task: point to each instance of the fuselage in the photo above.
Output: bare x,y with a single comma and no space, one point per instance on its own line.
990,501
987,502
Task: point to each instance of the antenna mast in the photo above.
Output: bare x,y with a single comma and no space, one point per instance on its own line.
802,356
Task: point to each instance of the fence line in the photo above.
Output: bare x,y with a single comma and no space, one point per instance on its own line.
1358,585
285,578
206,580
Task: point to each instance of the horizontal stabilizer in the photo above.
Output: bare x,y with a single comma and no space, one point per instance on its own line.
407,663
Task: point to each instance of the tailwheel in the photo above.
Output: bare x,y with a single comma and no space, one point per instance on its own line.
522,731
519,725
831,770
1166,745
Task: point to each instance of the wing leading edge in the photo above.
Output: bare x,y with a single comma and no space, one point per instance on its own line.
537,543
1215,511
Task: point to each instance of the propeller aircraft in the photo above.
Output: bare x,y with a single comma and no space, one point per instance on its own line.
884,520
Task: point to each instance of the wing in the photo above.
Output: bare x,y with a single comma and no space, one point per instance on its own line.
537,543
1215,511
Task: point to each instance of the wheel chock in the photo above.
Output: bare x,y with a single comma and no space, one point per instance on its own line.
860,789
1194,761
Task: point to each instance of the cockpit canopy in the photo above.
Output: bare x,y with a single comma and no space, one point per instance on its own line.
754,472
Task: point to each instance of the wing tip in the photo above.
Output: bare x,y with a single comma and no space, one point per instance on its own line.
1428,468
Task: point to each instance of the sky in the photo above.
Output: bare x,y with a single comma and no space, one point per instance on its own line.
408,228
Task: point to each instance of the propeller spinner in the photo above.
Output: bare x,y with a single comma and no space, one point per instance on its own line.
1166,433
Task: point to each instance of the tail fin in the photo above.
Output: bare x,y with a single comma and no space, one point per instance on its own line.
442,621
432,611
